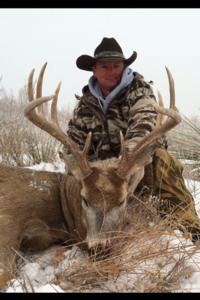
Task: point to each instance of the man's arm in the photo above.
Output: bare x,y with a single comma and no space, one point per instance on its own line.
142,114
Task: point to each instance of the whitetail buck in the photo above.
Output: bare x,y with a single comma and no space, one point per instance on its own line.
39,208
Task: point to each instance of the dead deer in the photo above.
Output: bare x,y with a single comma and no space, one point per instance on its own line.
39,208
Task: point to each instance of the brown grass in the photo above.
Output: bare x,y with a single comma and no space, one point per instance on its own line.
147,257
141,261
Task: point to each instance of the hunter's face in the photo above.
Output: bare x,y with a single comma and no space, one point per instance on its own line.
108,74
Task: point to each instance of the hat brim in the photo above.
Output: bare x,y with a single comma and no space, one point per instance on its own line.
86,62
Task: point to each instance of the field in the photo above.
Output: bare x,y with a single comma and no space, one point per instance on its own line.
149,257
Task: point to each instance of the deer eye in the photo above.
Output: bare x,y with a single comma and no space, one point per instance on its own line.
122,202
84,202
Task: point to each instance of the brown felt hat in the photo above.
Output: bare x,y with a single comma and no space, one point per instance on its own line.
107,50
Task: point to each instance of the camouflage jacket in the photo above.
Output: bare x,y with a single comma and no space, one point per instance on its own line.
131,111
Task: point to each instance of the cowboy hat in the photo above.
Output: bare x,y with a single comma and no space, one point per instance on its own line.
107,50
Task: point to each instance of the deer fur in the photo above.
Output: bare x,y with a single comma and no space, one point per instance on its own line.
30,209
40,208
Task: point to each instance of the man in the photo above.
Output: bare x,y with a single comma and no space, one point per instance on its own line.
116,98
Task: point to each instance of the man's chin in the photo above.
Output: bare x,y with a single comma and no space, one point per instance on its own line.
112,86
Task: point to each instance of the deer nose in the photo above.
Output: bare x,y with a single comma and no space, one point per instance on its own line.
101,250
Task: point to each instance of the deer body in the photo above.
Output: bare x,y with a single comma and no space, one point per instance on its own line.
40,208
30,212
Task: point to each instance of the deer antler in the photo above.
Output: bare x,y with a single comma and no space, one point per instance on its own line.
52,126
141,154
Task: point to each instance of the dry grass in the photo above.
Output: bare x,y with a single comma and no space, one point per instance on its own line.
137,264
184,143
147,256
184,140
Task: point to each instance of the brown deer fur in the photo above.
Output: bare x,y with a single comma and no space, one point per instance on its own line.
30,210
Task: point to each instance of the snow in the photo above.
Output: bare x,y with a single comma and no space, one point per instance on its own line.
47,288
188,162
38,272
58,166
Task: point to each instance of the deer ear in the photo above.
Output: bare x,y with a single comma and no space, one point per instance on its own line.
147,159
135,179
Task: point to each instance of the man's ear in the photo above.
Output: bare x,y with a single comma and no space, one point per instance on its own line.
94,70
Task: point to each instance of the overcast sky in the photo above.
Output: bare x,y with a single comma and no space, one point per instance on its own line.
30,37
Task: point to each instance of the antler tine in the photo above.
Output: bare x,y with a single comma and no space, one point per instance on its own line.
40,81
135,158
87,143
172,111
52,126
160,117
171,89
54,113
29,111
40,108
122,142
30,86
160,99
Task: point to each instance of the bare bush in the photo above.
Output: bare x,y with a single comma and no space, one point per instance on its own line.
184,140
21,143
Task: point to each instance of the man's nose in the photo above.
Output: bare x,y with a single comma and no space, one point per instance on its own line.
111,69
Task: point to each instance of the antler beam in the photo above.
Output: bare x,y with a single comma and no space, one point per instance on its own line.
52,126
141,154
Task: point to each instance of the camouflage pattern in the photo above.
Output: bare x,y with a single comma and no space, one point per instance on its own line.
163,183
176,201
131,111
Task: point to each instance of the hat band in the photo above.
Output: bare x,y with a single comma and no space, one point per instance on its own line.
110,54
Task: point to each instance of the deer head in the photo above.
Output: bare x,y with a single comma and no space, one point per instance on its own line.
104,185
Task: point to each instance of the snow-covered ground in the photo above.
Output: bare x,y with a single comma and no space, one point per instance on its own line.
38,272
